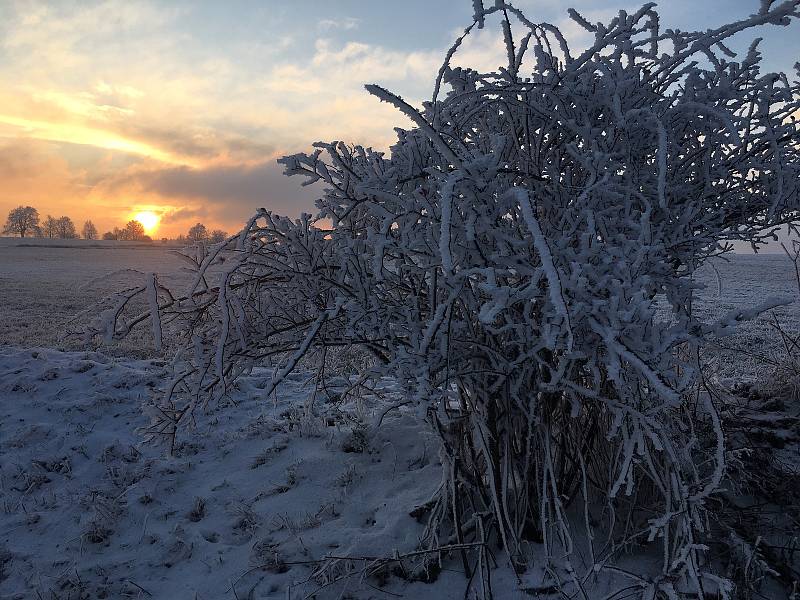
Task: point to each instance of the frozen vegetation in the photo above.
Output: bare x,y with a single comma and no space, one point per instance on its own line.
509,360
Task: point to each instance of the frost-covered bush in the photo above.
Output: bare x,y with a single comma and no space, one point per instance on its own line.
503,264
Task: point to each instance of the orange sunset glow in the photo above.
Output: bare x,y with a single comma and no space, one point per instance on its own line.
108,106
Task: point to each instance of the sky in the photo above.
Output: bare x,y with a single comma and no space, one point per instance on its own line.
115,107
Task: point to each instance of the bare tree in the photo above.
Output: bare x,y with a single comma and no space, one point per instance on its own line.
65,228
217,235
89,231
197,233
21,221
133,231
50,227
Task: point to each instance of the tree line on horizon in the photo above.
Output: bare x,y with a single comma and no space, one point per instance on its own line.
24,221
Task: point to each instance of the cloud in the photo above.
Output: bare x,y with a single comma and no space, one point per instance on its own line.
183,214
359,62
194,143
121,76
192,131
345,23
40,24
78,134
227,194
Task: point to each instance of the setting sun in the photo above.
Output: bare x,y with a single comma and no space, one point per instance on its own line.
149,220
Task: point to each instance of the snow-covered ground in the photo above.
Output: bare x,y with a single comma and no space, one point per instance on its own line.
741,282
47,285
88,512
263,489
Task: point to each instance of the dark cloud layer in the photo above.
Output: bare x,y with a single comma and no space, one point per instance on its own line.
235,191
183,214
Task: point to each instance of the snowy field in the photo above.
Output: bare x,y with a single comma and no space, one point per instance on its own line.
265,495
47,285
741,282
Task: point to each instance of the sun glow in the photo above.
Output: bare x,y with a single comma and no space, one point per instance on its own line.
148,219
